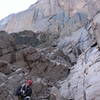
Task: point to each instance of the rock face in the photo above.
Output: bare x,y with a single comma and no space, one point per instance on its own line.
83,81
96,25
5,67
52,16
56,44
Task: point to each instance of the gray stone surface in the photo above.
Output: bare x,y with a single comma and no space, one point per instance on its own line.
45,14
83,81
64,60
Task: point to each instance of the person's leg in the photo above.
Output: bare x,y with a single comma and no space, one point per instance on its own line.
19,98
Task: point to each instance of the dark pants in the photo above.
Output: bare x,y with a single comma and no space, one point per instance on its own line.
20,98
23,98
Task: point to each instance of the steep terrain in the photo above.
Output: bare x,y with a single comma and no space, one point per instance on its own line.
19,62
52,16
55,43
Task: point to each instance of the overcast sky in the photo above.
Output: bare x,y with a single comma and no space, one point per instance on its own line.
13,6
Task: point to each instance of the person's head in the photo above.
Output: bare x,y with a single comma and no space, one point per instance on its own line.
29,82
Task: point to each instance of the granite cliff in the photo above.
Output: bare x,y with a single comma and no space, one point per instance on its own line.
56,43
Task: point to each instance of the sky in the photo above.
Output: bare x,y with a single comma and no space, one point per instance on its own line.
8,7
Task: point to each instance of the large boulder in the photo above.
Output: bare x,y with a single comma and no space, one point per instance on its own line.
39,65
5,67
3,78
7,47
55,94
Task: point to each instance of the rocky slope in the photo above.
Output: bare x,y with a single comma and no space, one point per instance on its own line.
83,81
19,62
61,56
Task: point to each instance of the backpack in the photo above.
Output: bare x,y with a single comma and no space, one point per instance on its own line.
21,90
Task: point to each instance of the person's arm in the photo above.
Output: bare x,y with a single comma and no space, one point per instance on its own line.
18,91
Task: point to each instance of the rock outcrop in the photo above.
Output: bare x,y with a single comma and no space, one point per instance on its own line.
56,44
52,16
83,81
19,62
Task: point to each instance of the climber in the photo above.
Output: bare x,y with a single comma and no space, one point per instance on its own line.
24,91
